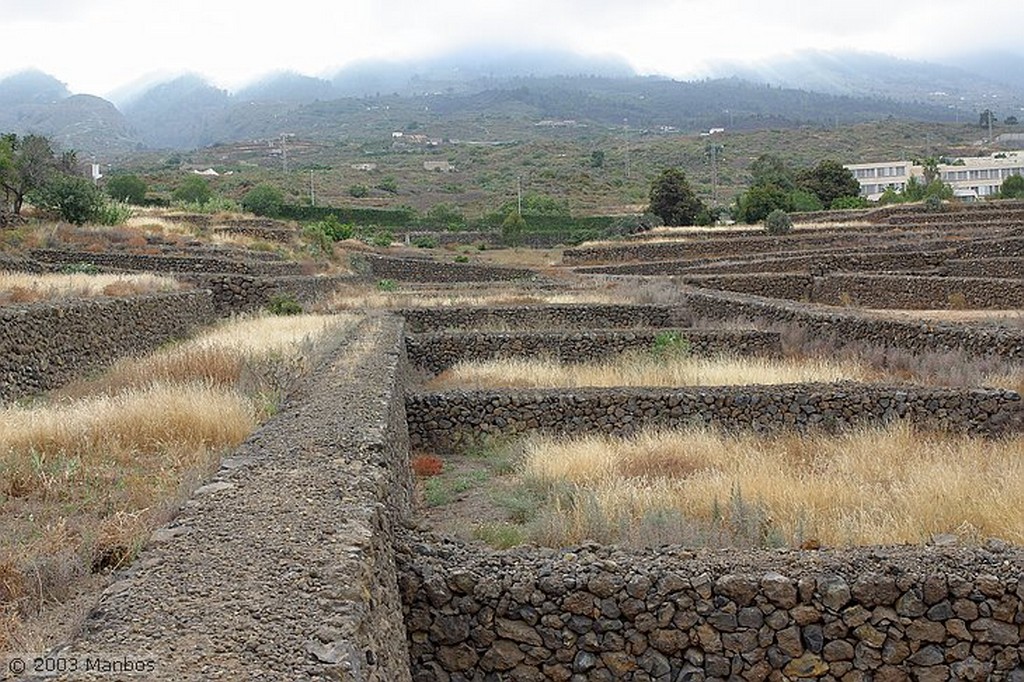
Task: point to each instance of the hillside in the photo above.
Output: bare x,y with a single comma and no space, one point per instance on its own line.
503,97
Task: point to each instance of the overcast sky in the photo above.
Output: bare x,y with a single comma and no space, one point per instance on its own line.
96,46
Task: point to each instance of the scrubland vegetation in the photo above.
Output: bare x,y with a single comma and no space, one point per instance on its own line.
87,472
702,487
19,287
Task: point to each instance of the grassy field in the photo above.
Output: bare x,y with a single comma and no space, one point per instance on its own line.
701,487
646,369
20,287
87,472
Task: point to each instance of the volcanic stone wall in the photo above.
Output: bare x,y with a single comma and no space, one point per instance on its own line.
846,327
1012,247
711,246
46,345
241,293
818,264
422,270
897,292
610,615
1012,268
441,421
176,264
565,316
437,352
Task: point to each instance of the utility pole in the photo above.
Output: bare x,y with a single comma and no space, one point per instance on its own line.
284,152
625,136
519,195
312,190
713,151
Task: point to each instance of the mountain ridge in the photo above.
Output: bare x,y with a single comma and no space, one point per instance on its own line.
808,88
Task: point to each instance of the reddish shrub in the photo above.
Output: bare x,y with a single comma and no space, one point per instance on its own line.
426,465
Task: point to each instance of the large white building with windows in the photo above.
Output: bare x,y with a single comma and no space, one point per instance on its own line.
971,177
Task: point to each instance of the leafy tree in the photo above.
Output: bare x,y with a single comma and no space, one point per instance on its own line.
512,229
1011,121
193,190
1012,187
986,118
804,200
25,165
129,188
829,180
597,159
673,200
359,191
263,200
770,170
757,202
76,199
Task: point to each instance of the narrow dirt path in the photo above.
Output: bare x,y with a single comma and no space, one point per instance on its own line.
279,568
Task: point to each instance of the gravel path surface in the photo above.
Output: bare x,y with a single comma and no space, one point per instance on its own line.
281,567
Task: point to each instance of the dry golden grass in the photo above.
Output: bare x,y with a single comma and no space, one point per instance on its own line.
353,297
647,369
20,287
872,486
87,475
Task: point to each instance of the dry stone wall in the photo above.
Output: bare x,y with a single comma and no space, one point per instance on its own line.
175,264
713,246
601,614
241,293
1010,268
565,316
423,270
435,353
817,264
442,421
1012,247
847,326
43,345
897,292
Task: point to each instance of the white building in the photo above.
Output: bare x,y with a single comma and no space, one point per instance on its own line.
971,177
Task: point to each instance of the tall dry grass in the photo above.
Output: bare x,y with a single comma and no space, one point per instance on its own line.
352,297
20,287
868,486
647,369
88,473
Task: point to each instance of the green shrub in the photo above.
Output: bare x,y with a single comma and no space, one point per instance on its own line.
778,222
382,238
425,242
318,239
263,200
335,229
359,191
387,285
127,188
462,259
284,304
193,190
81,268
114,213
671,344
